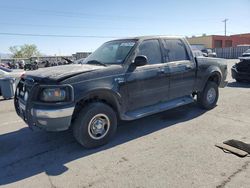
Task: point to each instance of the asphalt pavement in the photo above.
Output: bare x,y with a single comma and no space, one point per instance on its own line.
171,149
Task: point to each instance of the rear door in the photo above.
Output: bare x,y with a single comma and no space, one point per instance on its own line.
181,66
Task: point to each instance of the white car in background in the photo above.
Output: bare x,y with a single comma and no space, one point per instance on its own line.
9,73
5,72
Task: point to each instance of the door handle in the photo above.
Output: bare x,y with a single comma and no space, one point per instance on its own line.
120,80
161,71
188,67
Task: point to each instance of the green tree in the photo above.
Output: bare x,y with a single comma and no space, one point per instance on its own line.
24,51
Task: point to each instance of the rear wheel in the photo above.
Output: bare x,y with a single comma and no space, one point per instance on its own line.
208,98
95,125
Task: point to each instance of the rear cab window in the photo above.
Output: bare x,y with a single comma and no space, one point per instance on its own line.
175,50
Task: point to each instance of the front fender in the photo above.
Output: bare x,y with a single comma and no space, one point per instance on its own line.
108,95
100,91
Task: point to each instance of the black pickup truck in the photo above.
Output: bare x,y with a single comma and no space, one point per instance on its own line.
123,79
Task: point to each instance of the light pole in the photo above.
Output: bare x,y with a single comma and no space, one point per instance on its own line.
225,21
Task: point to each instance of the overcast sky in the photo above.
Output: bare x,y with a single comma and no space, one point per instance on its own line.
83,25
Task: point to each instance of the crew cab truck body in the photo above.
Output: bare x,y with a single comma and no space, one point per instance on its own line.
124,79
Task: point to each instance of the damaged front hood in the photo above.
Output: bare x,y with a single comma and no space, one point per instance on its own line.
62,72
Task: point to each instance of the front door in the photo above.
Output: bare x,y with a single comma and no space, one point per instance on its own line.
148,84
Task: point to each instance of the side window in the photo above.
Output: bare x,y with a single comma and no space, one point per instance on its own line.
175,50
151,49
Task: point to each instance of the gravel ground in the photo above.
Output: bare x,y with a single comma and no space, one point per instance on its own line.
170,149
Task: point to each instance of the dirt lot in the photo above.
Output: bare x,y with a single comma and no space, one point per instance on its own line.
170,149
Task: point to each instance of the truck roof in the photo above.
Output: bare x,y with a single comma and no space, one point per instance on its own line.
151,37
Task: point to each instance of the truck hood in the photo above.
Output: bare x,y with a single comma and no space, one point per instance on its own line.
62,72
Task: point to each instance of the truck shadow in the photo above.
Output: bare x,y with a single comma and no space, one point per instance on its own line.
237,84
1,99
24,153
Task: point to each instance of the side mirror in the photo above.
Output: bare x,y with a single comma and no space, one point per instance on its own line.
140,60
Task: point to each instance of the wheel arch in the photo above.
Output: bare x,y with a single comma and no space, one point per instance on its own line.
107,96
214,77
213,74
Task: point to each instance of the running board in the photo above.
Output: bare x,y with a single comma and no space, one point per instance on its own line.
160,107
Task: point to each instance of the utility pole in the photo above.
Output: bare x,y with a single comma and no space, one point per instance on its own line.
225,21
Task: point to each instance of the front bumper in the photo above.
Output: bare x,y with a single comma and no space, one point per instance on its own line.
50,117
239,75
56,119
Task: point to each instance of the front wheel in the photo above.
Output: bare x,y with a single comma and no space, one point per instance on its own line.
95,125
208,98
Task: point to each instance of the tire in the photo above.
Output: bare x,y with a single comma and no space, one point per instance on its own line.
91,120
208,98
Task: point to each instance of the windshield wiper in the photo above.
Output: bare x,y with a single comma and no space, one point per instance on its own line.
95,62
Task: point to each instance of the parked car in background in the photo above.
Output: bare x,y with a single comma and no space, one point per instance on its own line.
208,52
13,65
246,53
241,71
5,72
79,61
4,65
197,53
31,66
14,75
5,69
21,64
124,79
67,61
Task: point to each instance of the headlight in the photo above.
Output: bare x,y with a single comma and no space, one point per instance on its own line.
57,94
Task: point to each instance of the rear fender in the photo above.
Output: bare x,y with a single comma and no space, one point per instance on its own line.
211,71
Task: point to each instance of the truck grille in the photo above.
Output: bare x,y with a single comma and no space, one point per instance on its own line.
23,87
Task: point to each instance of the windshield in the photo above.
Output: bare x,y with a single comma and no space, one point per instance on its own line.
113,52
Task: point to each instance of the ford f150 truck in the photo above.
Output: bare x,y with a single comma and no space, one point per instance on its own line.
123,79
